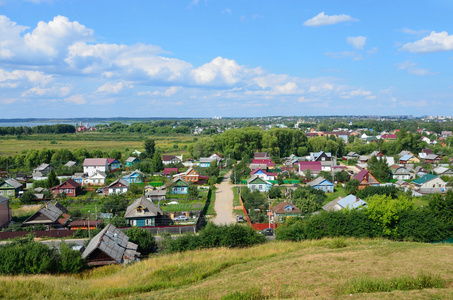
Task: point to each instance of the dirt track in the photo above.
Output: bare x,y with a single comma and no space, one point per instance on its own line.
224,202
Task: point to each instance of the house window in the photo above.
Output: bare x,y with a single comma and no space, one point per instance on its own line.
260,187
1,192
9,192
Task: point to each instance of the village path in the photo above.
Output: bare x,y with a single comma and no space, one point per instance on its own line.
224,202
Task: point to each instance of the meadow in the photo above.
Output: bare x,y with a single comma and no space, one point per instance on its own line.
105,141
322,269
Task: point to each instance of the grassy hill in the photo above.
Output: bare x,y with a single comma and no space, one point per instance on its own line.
325,269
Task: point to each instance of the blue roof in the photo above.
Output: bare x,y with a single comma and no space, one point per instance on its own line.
351,201
406,157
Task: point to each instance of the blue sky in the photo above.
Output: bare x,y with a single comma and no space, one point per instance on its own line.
205,58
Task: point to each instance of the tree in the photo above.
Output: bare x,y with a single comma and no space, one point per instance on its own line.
379,168
280,179
342,176
28,197
192,192
352,186
156,163
52,179
149,147
275,192
115,203
143,238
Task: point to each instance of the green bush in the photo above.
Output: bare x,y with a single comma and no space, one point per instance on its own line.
143,238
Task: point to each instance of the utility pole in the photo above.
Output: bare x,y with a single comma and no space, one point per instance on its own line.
96,215
89,232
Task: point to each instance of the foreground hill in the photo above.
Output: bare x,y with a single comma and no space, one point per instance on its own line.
330,268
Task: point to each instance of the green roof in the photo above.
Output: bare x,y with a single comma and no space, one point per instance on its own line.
424,178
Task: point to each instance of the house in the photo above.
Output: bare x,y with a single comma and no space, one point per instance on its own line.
143,212
50,215
113,164
257,184
261,155
156,194
134,177
428,181
84,224
314,166
70,164
408,159
263,164
119,186
400,172
365,179
205,162
349,202
10,188
351,155
432,158
190,176
132,161
405,152
42,170
170,171
424,153
110,246
69,187
442,171
3,174
97,179
39,193
179,186
322,184
264,174
91,165
217,157
285,210
320,156
78,177
5,212
171,159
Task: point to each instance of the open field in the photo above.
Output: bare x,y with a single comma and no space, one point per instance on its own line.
94,140
323,269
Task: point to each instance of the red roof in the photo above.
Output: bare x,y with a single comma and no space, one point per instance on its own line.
312,165
168,171
63,220
265,172
167,157
94,161
267,162
68,183
361,175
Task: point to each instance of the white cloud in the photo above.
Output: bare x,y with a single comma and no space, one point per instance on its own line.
76,99
435,42
51,91
322,19
226,11
411,68
415,32
111,88
222,71
358,42
166,93
345,54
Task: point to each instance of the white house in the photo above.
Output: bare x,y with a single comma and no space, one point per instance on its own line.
97,179
92,165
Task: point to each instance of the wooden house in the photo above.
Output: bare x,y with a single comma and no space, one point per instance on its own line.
5,212
119,186
322,184
92,165
10,188
131,161
257,184
50,215
285,210
365,179
110,246
179,186
69,187
143,212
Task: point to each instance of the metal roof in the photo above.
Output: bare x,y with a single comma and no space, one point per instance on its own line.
149,209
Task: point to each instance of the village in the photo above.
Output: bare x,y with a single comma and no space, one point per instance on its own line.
102,197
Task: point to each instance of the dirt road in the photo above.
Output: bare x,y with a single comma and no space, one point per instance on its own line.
224,202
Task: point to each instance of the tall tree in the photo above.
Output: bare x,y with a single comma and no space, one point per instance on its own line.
156,163
150,147
52,179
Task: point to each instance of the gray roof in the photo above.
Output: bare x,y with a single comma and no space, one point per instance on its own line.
149,209
51,211
431,156
114,243
349,201
317,181
206,159
70,163
3,199
14,183
156,193
120,181
42,167
95,162
131,159
442,170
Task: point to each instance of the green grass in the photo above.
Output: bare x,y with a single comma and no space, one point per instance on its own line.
339,191
275,270
183,206
210,210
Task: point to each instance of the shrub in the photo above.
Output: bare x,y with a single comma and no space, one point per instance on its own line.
143,238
